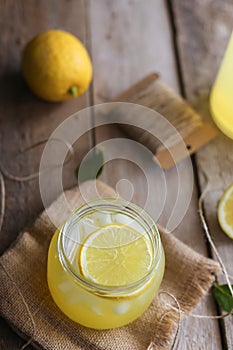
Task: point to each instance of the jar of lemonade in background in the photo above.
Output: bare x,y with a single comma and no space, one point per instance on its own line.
105,264
221,98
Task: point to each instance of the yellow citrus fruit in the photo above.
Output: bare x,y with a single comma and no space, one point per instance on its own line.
56,66
115,255
225,211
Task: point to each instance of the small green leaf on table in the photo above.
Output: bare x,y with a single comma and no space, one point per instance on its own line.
92,165
223,296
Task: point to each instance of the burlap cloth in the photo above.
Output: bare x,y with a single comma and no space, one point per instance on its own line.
188,276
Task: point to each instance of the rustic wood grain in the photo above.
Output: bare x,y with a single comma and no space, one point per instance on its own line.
129,40
151,92
203,31
24,119
126,46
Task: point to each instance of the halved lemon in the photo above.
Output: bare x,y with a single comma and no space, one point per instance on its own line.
115,255
225,211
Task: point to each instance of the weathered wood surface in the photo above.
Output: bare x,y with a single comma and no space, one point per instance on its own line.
203,31
24,119
126,54
127,39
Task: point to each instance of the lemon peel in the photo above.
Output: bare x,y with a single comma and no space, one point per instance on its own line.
56,66
225,211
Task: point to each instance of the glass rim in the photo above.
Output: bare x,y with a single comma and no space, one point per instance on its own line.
143,219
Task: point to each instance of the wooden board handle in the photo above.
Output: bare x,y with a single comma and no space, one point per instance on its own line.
151,92
195,140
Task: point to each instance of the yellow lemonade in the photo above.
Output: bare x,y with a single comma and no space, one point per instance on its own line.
105,264
221,99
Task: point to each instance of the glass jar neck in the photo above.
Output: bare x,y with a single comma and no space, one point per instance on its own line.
119,206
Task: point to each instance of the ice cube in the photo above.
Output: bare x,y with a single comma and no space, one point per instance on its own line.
65,287
122,308
96,310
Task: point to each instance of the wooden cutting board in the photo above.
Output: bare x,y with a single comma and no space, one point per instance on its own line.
151,92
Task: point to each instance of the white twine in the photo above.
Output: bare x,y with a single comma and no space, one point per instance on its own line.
36,174
176,338
223,267
153,345
210,240
6,174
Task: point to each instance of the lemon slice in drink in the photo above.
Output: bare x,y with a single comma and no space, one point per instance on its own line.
225,211
115,255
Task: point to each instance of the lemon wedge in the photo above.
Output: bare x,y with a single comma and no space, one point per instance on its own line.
115,255
225,211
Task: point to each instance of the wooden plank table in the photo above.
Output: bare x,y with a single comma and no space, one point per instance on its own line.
184,41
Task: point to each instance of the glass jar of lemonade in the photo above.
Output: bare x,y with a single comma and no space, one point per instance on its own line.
105,264
221,98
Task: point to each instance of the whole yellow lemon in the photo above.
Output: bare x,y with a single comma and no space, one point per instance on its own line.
56,66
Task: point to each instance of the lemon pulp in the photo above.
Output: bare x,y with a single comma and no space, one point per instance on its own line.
225,211
115,255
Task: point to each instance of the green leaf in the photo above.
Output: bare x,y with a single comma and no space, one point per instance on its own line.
223,296
92,166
